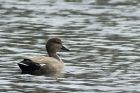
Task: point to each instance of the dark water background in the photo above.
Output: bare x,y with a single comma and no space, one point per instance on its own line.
104,36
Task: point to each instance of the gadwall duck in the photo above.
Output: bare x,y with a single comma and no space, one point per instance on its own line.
50,64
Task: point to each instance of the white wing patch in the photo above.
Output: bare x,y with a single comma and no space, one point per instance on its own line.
42,64
23,64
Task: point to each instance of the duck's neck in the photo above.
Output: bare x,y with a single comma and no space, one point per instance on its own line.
54,55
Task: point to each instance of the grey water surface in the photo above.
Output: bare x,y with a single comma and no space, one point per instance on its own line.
103,36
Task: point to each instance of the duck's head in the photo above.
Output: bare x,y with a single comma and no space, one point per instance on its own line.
55,45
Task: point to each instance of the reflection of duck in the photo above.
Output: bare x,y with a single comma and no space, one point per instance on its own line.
43,64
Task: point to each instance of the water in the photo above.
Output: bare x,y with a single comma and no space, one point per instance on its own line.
103,36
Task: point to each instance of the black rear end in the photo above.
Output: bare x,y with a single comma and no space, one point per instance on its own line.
27,66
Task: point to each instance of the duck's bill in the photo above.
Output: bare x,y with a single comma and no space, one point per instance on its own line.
64,48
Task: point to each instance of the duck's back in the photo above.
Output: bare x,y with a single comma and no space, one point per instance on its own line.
48,64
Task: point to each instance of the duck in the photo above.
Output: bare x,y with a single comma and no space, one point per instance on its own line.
51,64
